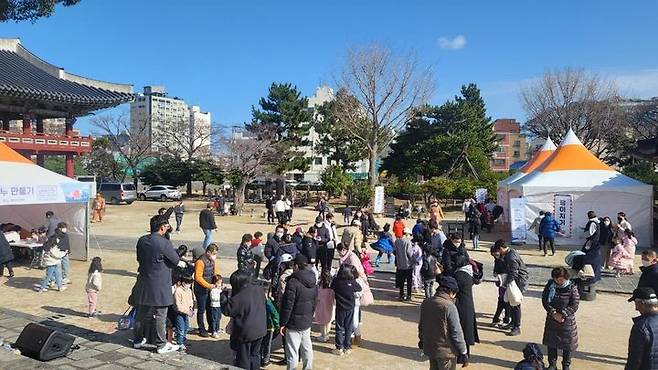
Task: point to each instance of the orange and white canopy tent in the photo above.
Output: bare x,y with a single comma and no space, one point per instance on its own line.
28,191
537,159
571,170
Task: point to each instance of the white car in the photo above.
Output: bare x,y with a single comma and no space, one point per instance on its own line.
161,192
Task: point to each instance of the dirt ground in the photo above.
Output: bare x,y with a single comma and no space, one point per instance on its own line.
389,327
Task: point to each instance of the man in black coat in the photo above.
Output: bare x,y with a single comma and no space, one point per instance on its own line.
6,256
207,224
642,343
152,292
517,273
297,309
649,277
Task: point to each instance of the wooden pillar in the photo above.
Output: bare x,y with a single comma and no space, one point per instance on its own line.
27,123
41,159
69,127
70,169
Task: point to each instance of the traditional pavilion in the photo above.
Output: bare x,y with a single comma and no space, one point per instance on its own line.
32,90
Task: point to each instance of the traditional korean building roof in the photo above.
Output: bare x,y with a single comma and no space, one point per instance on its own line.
29,82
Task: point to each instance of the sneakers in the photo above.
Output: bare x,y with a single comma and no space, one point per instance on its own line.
214,335
66,281
323,338
337,352
168,348
347,351
182,348
63,288
204,334
514,332
494,324
139,345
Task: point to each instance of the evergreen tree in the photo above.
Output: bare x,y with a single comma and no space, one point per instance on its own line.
454,139
283,119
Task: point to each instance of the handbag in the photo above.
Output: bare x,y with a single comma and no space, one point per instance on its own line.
366,298
587,271
127,320
513,295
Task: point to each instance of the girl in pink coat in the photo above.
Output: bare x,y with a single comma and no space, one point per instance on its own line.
324,309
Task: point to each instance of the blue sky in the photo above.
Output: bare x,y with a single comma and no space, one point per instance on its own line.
223,55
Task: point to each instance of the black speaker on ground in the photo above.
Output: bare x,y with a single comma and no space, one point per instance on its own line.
42,343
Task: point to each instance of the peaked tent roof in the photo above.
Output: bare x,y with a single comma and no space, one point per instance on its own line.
572,166
7,154
32,184
572,155
537,159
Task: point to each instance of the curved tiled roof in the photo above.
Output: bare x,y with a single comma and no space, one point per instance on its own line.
24,76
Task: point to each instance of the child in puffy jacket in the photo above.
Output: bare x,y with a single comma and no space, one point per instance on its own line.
429,270
94,285
324,310
52,259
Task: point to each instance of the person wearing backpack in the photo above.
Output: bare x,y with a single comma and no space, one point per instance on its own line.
592,247
429,270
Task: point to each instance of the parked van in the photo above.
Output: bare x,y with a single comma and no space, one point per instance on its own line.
117,192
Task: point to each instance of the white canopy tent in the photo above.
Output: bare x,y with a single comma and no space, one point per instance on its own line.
573,172
537,159
28,191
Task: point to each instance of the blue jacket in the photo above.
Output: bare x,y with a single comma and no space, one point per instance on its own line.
548,227
642,347
384,243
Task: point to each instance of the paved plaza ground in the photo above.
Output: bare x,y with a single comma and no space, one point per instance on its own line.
389,329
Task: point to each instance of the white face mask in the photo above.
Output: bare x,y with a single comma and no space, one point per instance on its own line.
646,263
318,225
279,234
63,230
213,257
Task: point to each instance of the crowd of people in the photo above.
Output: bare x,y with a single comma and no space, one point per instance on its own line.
288,279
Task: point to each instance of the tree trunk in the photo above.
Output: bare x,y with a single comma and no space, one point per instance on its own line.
189,188
372,166
205,186
280,186
240,194
135,180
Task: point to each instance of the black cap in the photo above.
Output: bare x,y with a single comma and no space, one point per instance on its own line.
643,293
301,260
449,282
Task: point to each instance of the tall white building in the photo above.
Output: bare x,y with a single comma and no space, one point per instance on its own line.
156,111
319,162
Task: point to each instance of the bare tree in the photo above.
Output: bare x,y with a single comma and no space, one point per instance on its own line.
584,102
184,140
379,93
245,157
131,141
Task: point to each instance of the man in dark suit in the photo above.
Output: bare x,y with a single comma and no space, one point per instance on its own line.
152,293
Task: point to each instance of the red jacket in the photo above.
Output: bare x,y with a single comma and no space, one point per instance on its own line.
398,228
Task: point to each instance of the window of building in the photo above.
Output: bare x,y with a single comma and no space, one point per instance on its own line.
500,149
318,161
517,154
517,143
498,162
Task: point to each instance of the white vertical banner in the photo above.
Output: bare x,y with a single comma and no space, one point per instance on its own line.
518,220
480,195
563,212
379,200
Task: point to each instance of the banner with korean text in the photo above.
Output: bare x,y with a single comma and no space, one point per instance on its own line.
564,214
517,220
